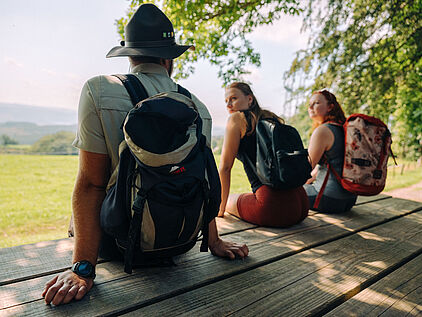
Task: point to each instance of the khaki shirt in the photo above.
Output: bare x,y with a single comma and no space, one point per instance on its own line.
104,103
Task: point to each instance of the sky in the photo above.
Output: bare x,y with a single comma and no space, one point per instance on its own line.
49,48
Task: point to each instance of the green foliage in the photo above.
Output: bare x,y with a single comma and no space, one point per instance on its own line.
57,143
369,54
7,140
217,29
35,197
301,121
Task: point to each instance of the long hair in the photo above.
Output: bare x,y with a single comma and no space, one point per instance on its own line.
336,114
255,109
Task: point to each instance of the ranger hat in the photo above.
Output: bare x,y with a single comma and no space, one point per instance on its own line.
149,33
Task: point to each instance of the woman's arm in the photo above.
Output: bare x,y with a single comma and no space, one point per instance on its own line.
322,140
235,130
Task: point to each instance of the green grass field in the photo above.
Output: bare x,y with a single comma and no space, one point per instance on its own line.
35,193
412,174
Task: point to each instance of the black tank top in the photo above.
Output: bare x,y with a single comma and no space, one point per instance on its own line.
247,147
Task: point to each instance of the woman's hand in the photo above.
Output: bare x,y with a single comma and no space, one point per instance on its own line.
227,249
313,176
220,213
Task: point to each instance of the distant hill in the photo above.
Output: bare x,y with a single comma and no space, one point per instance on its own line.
38,115
29,133
27,124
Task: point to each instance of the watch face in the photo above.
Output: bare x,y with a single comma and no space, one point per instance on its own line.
84,268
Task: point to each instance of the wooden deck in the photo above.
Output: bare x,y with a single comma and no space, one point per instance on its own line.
367,262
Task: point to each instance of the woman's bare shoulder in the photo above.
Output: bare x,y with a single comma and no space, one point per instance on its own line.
322,131
237,121
322,137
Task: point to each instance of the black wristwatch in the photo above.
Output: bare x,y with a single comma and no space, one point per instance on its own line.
84,269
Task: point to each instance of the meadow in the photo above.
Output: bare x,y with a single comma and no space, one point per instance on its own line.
35,194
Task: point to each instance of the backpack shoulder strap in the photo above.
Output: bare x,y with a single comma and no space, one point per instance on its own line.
134,87
321,191
184,91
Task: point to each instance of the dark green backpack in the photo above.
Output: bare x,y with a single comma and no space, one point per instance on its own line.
167,187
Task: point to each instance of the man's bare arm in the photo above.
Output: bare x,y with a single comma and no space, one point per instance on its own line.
88,195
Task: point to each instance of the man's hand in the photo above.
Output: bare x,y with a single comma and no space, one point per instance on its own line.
65,287
227,249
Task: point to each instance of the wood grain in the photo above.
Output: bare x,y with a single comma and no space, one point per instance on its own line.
150,285
308,282
397,294
366,199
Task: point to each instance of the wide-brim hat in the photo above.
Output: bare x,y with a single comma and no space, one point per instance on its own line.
149,33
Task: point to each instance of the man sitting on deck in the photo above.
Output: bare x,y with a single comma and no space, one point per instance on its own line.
103,106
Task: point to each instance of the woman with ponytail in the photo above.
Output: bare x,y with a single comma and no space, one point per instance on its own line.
265,206
327,143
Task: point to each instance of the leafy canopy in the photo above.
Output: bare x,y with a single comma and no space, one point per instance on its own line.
369,54
217,29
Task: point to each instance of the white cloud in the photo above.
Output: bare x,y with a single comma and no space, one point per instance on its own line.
285,31
13,62
49,72
73,76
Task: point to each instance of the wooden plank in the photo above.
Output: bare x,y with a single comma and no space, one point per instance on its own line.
306,283
17,293
345,267
149,285
397,294
34,260
367,199
230,224
366,216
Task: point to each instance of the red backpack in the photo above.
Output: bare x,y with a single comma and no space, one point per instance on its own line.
367,145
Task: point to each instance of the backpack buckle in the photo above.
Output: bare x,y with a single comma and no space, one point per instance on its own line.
138,203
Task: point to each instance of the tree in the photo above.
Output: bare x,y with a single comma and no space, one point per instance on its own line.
369,53
218,29
7,140
57,143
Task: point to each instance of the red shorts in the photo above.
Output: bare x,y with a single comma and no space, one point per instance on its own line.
274,207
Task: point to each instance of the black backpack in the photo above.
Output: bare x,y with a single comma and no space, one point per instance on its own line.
281,160
167,187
